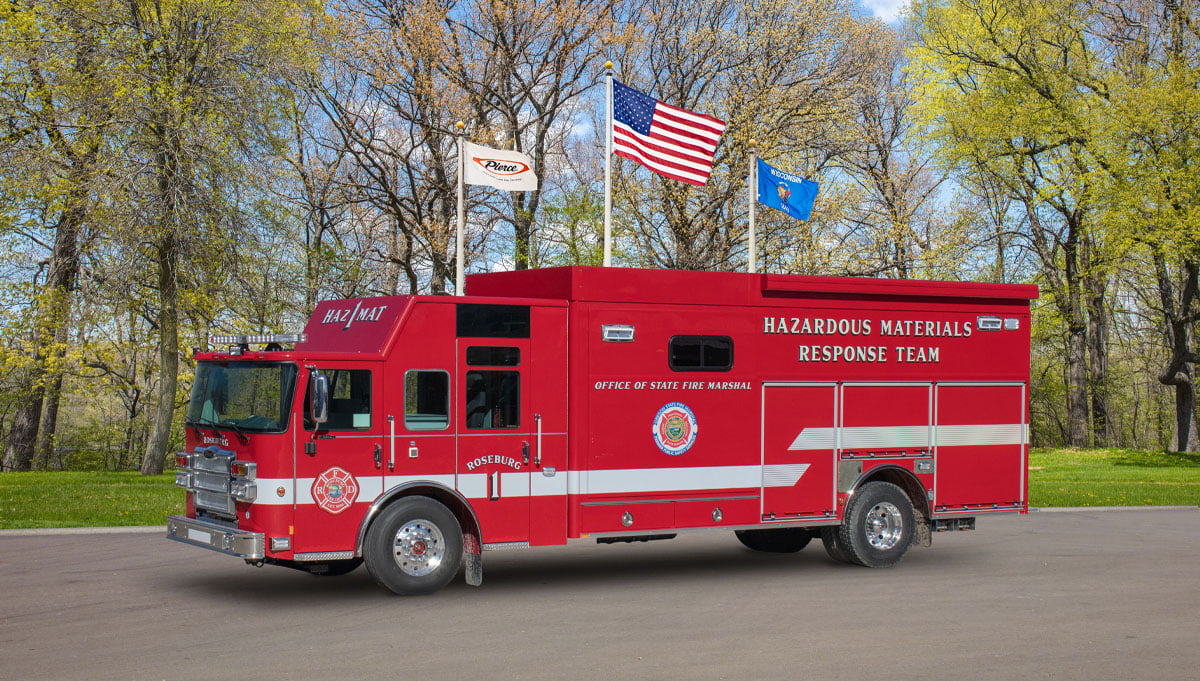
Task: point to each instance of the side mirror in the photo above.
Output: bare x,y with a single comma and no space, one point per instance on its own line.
318,397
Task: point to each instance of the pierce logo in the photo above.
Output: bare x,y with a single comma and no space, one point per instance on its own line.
498,167
335,490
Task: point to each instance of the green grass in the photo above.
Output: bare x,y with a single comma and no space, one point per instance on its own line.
87,499
1057,477
1112,477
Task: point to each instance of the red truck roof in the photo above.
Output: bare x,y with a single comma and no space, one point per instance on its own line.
603,284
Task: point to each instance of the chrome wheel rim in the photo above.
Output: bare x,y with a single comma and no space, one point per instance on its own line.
884,526
419,547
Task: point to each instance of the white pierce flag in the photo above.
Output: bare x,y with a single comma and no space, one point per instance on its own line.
509,170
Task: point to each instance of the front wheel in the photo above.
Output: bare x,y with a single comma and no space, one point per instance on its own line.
415,546
878,526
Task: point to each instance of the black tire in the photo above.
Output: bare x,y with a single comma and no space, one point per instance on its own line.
878,526
415,546
781,540
829,537
334,568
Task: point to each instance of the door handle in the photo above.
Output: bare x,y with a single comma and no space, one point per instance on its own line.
537,461
524,452
391,442
379,456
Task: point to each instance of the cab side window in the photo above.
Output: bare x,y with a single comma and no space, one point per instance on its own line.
493,400
349,401
426,399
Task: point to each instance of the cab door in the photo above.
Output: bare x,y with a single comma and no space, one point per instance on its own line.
339,462
496,434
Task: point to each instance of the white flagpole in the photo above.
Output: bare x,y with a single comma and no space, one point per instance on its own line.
608,150
752,194
459,277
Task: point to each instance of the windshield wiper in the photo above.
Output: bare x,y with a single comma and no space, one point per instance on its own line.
216,427
195,424
236,429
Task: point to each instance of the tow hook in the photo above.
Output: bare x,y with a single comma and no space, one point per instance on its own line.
256,563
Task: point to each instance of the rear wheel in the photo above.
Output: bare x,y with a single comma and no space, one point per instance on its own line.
781,540
829,537
878,527
415,546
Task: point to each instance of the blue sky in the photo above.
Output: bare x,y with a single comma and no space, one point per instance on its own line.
887,10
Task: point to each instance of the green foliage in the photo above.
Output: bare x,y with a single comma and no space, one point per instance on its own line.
91,499
1112,477
572,229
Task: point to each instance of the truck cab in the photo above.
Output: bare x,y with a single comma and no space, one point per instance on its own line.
292,453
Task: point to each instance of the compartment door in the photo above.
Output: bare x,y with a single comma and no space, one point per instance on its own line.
799,450
980,446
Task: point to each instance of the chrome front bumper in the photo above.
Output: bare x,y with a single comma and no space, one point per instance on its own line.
210,535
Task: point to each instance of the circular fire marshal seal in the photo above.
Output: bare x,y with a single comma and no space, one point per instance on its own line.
675,428
335,490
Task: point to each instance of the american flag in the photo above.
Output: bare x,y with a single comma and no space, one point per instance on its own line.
670,141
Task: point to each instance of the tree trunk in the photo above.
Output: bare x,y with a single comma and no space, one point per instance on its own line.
522,232
395,259
1075,317
53,396
48,430
1185,418
50,319
168,355
30,389
1098,337
1077,402
18,455
1179,316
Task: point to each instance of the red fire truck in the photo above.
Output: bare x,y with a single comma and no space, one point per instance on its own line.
413,433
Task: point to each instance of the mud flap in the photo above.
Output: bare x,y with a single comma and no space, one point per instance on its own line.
473,560
924,535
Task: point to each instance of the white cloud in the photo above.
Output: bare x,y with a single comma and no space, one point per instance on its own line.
886,10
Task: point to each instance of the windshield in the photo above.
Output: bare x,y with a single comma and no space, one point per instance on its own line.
245,396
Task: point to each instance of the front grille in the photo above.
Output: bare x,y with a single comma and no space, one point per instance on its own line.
210,478
211,482
220,504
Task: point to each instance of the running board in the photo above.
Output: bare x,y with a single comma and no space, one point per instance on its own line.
630,540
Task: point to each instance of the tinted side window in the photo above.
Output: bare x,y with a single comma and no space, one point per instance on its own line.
426,400
487,356
493,400
492,321
700,353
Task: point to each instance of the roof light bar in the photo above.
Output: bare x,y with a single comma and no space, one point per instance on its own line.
258,339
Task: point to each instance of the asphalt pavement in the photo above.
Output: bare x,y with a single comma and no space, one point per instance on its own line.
1079,595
